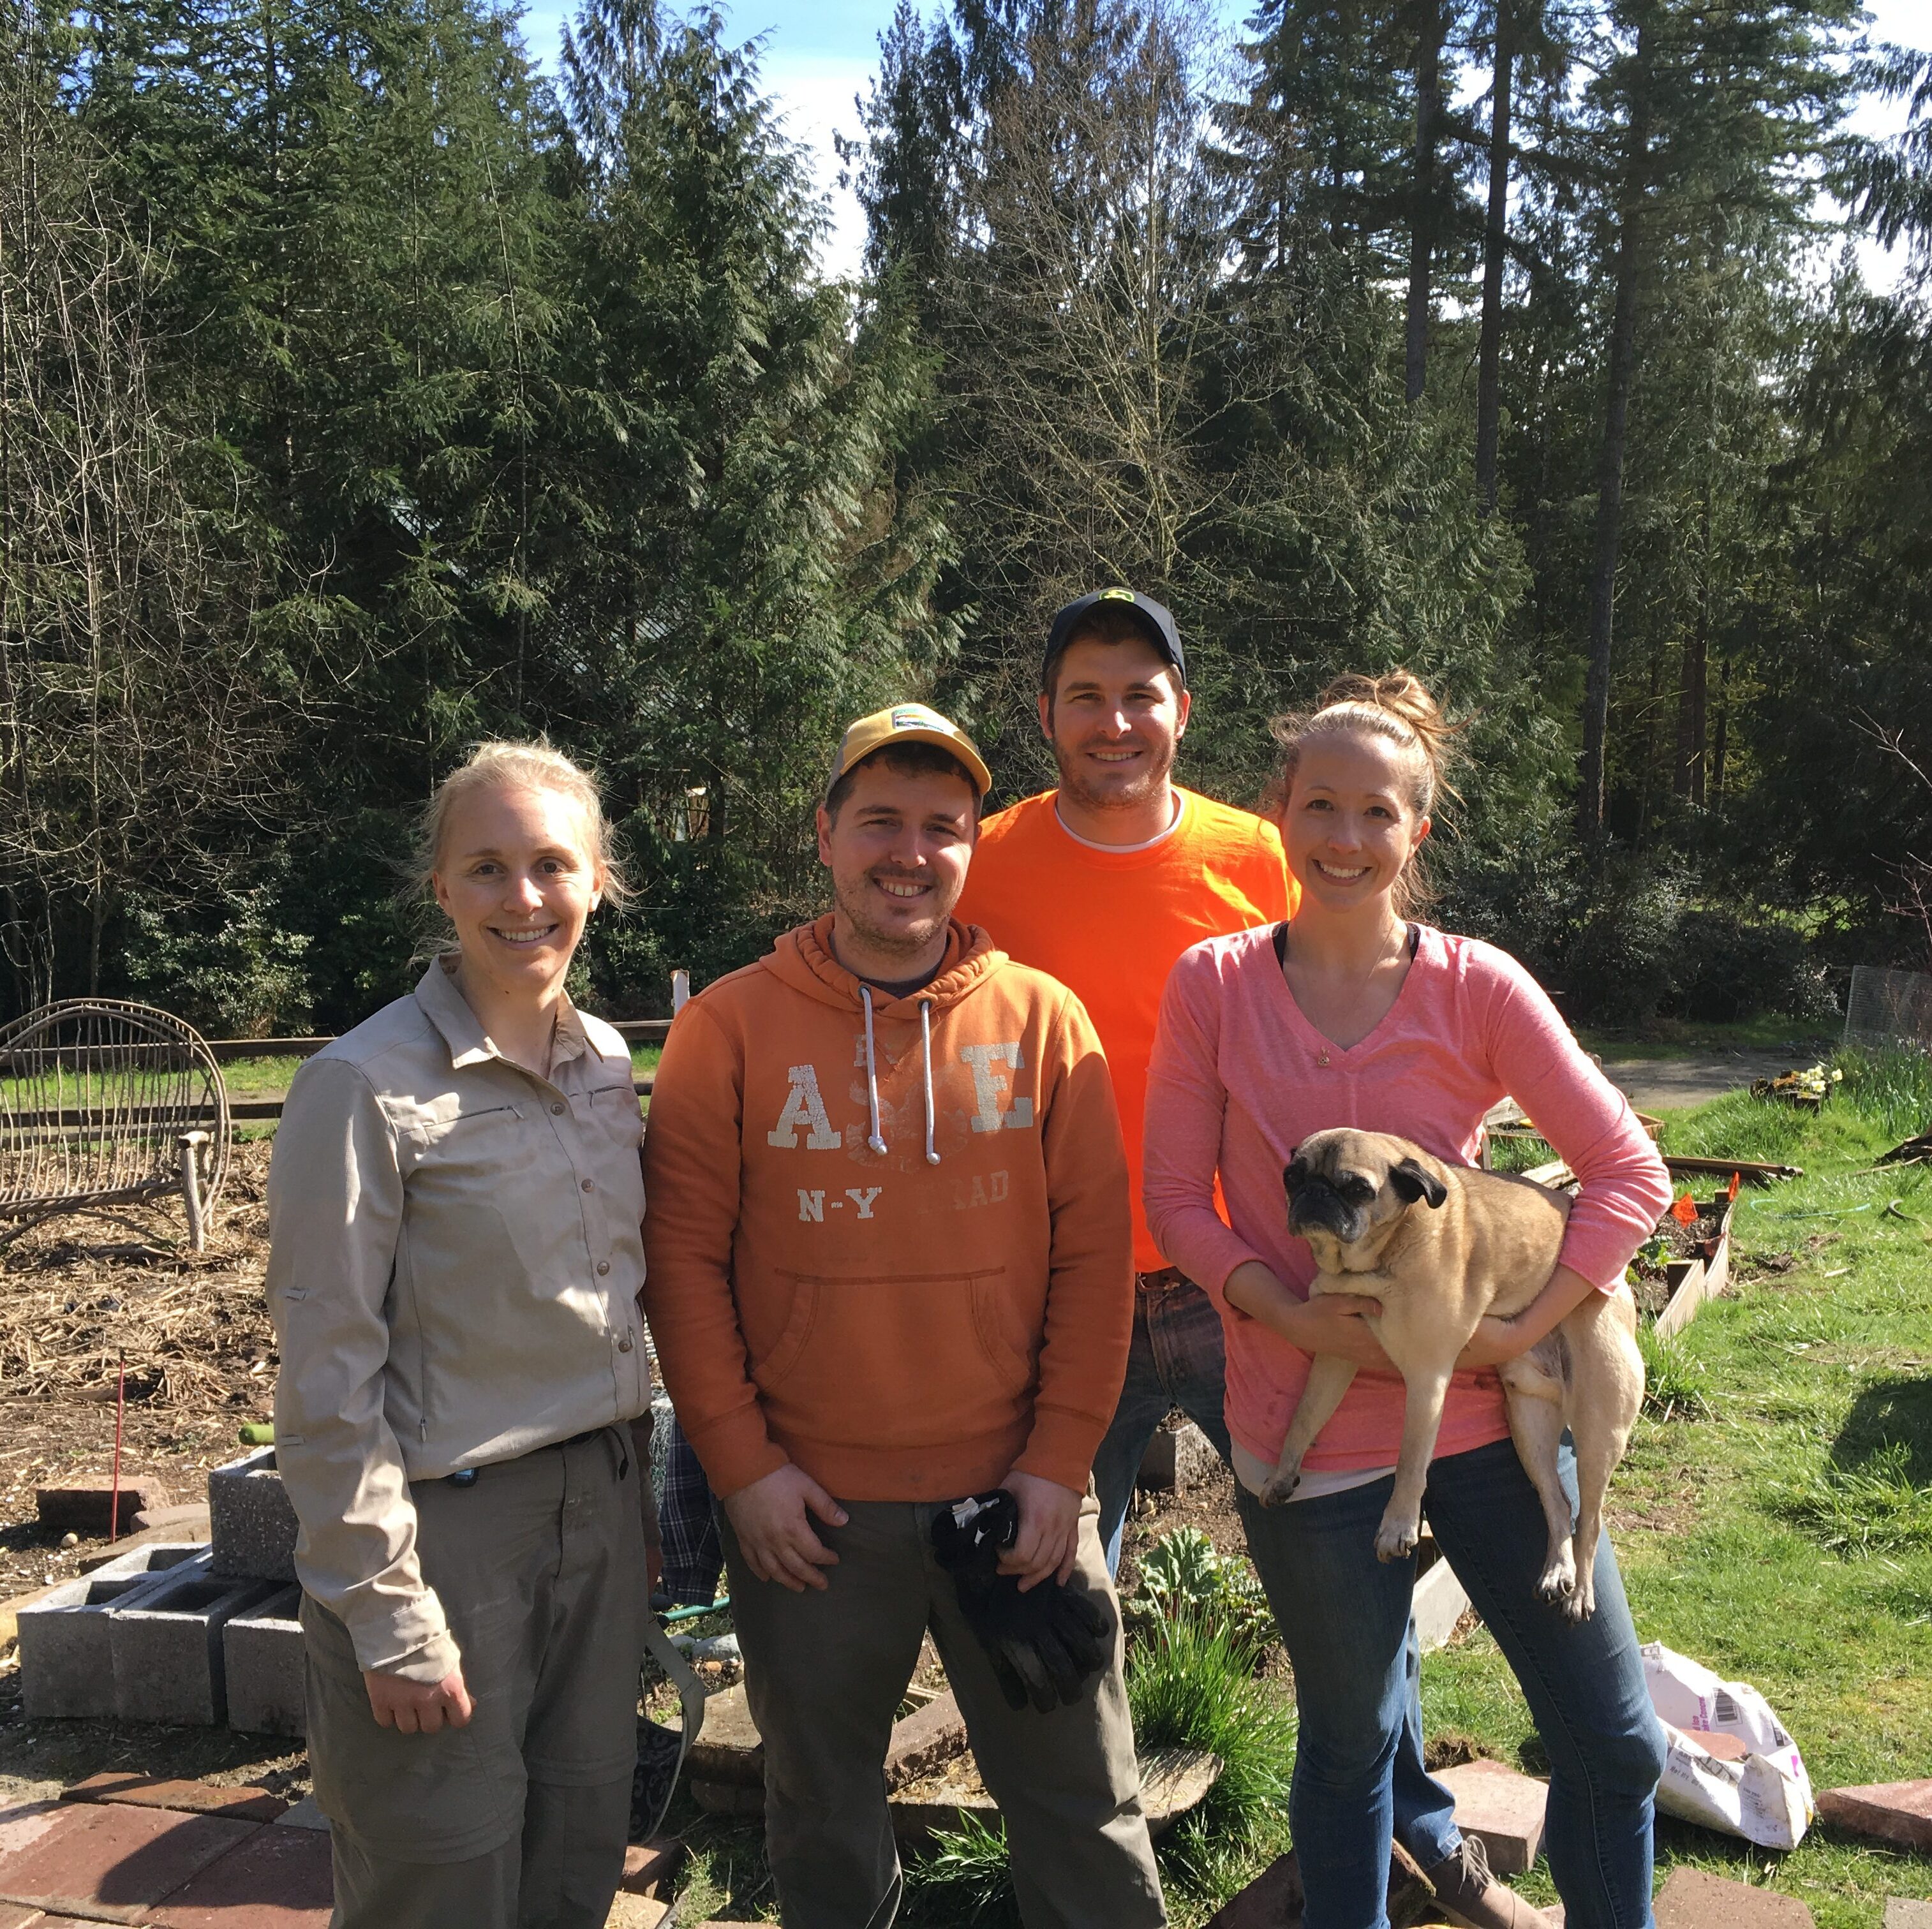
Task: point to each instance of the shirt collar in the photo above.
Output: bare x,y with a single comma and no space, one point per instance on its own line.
463,1031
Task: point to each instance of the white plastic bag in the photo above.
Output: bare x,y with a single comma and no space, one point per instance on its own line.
1765,1796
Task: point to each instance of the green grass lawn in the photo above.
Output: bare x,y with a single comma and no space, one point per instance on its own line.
271,1078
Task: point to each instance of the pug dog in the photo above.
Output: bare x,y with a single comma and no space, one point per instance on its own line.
1440,1246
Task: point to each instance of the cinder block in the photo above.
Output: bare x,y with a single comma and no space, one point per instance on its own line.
1440,1600
1692,1900
261,1655
166,1646
1502,1808
253,1524
306,1814
67,1662
1176,1460
1900,1914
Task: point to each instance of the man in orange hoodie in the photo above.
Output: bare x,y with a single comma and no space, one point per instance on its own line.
889,1268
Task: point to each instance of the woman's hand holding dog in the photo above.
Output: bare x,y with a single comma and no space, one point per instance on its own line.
1325,1322
1496,1342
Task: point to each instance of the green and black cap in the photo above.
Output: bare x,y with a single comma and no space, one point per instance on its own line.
1155,618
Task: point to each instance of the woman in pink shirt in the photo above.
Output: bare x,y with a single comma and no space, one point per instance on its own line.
1352,1014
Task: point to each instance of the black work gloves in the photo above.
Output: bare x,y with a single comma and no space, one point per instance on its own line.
1044,1644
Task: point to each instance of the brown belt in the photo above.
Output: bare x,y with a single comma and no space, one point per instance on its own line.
1157,1282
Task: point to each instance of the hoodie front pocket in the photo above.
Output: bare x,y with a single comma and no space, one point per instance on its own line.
908,1360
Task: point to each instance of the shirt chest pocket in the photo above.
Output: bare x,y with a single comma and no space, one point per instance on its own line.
614,1115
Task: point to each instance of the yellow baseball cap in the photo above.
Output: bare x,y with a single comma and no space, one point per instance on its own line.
909,724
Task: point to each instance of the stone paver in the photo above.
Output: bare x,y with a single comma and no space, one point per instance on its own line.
278,1879
647,1863
1502,1809
729,1748
1900,1914
1274,1899
1894,1811
1692,1900
112,1861
927,1738
635,1911
18,1915
304,1815
187,1798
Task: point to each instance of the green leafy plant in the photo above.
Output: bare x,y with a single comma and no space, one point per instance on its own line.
1182,1573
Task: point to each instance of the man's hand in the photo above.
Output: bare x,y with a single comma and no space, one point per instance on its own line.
1048,1542
770,1520
419,1707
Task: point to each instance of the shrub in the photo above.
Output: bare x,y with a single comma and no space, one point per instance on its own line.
1733,967
233,974
1623,964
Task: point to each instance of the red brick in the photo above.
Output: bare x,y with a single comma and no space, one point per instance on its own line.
88,1506
278,1879
1894,1811
188,1797
1274,1900
113,1863
1502,1809
1692,1900
647,1863
19,1915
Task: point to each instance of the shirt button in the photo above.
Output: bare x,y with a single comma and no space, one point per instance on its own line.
623,1346
603,1267
587,1185
558,1109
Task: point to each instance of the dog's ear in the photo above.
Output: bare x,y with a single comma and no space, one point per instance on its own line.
1414,1181
1296,1172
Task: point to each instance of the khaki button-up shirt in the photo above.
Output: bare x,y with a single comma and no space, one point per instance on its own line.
455,1263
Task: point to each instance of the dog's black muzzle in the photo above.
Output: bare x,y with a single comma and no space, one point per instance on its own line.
1313,1204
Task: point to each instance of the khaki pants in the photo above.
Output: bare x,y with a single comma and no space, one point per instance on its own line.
825,1673
517,1821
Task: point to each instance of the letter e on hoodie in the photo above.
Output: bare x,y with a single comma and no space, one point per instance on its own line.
887,1238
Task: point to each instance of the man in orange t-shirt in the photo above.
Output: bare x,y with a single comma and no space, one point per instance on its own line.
1104,882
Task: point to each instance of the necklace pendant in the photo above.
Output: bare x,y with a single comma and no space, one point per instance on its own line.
1322,1058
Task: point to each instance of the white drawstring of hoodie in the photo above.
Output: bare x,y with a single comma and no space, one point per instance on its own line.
875,1139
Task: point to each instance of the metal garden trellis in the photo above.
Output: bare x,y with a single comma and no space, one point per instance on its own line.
104,1103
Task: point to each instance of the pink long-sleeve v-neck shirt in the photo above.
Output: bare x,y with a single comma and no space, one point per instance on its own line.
1240,1077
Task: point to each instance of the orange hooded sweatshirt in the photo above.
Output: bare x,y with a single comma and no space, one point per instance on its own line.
887,1238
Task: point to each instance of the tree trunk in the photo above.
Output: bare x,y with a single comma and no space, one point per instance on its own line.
1495,236
1426,213
1610,466
1721,738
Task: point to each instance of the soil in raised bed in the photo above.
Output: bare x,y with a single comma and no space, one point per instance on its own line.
1652,1289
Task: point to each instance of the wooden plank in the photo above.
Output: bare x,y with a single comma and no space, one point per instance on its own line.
226,1051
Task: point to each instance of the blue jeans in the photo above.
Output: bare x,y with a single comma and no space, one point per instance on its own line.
1177,1359
1343,1616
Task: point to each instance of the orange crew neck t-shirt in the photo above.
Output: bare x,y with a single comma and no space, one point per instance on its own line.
1110,924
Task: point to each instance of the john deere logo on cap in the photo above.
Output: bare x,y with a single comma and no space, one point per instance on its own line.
915,716
1117,595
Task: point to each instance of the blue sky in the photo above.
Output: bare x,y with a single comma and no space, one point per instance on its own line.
819,54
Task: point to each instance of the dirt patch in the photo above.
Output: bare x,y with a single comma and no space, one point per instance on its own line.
79,1293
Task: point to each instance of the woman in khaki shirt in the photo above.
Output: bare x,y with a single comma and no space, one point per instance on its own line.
454,1211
